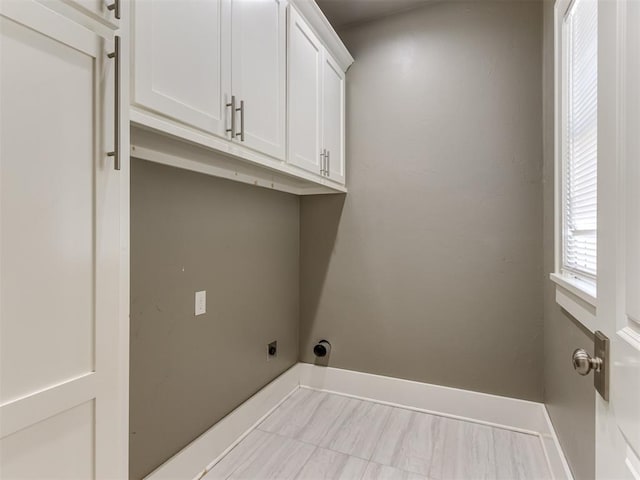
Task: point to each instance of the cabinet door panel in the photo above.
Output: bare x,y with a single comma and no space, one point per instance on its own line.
333,117
178,61
47,227
259,71
61,371
305,89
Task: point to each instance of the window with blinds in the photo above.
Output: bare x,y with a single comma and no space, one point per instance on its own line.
580,142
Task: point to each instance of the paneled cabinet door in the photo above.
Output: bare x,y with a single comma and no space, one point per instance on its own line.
305,95
333,118
61,384
258,62
181,50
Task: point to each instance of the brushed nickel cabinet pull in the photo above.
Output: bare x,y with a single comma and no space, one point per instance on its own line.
322,159
241,110
115,6
116,96
328,169
232,130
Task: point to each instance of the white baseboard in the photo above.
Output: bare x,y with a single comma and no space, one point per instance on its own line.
493,410
197,457
504,412
553,449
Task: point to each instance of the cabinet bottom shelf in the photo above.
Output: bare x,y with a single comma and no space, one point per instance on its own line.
147,143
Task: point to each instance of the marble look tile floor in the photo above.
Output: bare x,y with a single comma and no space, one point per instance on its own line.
317,435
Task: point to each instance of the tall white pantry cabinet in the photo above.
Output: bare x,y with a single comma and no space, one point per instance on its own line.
224,87
64,236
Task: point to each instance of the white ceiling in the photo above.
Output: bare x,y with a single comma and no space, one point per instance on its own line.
345,12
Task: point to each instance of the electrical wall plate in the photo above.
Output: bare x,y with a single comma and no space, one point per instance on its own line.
201,303
601,375
272,350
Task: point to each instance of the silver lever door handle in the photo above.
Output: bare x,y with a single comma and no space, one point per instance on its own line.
241,110
232,130
116,95
115,6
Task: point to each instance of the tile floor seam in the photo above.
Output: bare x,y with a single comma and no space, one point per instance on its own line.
382,430
225,455
305,463
409,472
313,445
425,411
253,454
363,403
508,457
347,459
406,432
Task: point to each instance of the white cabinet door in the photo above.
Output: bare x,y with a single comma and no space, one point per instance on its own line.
62,355
333,118
181,49
305,95
259,73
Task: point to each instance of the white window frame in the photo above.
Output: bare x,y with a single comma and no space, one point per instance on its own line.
576,296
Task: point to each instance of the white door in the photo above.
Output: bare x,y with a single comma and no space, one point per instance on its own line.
305,95
333,118
258,78
618,310
181,59
63,406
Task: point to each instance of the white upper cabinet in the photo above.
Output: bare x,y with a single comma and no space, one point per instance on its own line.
333,118
258,79
178,61
305,96
316,104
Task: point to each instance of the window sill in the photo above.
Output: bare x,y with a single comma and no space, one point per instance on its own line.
576,298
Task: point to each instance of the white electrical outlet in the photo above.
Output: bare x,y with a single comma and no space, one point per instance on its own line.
201,302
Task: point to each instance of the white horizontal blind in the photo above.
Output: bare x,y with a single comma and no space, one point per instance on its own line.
581,142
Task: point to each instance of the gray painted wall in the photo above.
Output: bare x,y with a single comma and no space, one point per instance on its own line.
570,398
430,268
240,243
444,142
